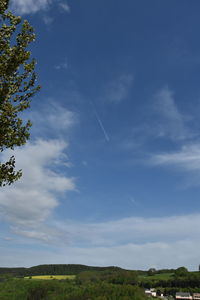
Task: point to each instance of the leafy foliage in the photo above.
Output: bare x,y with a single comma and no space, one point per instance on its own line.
20,289
110,276
181,272
17,86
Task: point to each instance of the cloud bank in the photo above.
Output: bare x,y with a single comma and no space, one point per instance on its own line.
132,243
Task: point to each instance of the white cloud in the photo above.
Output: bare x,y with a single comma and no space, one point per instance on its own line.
32,6
118,89
47,19
187,158
58,120
29,6
63,65
31,200
186,161
133,230
41,233
28,204
64,6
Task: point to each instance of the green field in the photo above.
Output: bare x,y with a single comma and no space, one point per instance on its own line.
51,277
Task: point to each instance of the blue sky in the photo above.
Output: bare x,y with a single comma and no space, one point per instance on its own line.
112,169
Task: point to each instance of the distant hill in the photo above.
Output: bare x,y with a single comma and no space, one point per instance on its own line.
14,271
54,269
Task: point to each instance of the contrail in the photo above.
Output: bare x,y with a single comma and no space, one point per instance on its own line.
101,124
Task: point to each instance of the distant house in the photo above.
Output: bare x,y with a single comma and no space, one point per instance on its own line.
183,296
196,296
150,293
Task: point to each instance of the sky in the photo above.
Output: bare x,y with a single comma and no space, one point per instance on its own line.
111,173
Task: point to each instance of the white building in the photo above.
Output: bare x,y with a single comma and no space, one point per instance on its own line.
151,292
183,296
196,296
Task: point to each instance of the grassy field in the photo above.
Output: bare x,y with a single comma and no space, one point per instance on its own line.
51,277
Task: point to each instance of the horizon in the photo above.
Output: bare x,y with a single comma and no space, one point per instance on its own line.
95,266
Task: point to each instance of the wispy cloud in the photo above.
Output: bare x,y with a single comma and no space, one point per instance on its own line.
29,6
134,230
187,158
162,119
185,161
65,7
171,123
62,65
58,120
33,6
118,89
47,19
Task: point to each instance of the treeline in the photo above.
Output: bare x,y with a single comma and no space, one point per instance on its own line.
180,279
189,282
12,271
54,269
153,271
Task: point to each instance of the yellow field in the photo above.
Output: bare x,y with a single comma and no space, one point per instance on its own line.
51,277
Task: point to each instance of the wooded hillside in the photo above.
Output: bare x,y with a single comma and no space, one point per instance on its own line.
54,269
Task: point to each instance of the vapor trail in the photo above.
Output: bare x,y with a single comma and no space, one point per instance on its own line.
101,125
